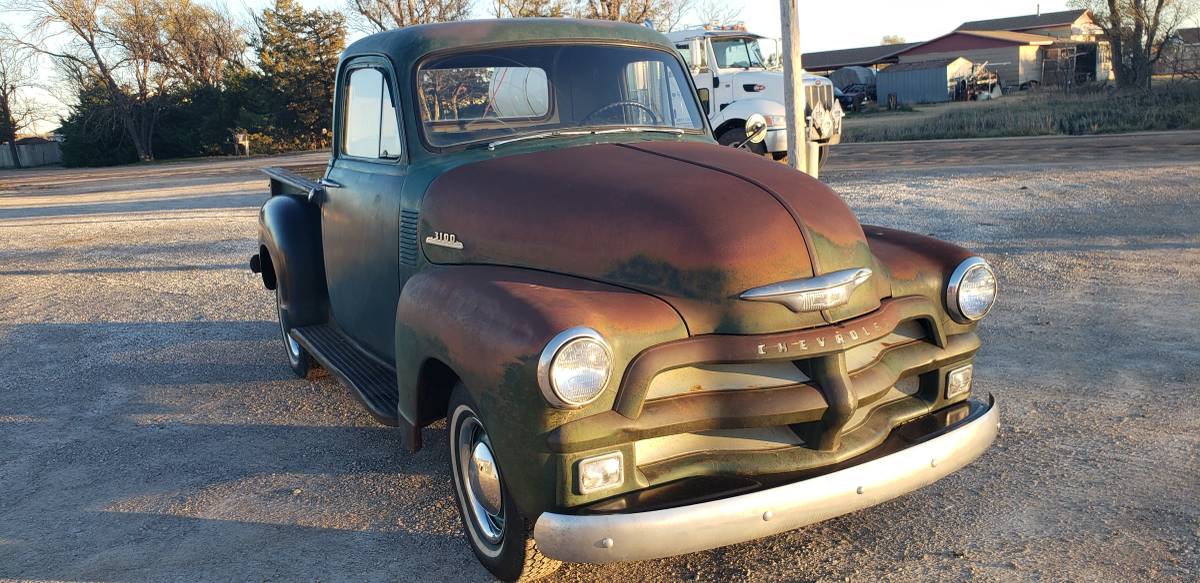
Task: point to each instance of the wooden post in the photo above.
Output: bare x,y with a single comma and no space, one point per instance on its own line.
793,87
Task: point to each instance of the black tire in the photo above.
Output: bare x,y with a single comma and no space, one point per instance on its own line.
299,359
736,135
506,549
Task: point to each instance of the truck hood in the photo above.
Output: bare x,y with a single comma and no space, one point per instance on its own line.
694,224
772,82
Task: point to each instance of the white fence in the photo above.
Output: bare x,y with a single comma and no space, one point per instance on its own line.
31,155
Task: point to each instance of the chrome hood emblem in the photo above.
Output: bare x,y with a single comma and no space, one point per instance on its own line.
810,295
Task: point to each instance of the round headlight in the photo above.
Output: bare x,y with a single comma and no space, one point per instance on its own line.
574,368
972,290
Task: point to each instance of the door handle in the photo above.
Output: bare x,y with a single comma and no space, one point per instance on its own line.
319,188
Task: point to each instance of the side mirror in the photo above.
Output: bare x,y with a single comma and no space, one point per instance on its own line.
756,129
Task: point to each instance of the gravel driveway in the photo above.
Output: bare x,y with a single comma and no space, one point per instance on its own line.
150,427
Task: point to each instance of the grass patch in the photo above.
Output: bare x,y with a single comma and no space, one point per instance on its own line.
1168,106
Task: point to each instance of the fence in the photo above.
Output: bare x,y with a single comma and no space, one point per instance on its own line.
31,154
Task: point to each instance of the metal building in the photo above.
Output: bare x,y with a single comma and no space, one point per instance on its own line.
921,81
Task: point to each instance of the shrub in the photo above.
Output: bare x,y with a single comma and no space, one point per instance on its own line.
1168,106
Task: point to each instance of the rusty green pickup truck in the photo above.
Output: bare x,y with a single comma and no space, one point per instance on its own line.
643,343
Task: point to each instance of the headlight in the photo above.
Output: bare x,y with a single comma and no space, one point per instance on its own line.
574,368
775,121
972,290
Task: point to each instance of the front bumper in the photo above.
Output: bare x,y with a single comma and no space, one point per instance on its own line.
776,141
608,538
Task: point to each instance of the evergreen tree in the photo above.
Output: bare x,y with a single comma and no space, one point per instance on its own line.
298,53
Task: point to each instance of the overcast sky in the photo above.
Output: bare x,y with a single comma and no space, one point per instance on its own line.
824,24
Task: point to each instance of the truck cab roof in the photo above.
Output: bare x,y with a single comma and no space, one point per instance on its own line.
687,35
406,46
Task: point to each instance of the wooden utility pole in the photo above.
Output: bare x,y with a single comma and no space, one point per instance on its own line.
793,90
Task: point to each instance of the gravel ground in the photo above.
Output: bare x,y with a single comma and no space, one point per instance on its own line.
150,428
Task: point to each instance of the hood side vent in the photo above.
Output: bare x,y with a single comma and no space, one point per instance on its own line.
408,237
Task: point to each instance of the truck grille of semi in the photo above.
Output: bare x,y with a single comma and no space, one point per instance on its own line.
822,94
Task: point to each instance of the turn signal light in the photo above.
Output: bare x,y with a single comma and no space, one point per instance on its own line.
601,472
959,381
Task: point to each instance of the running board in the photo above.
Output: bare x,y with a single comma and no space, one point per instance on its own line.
372,382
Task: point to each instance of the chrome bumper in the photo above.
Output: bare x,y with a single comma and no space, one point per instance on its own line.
776,140
637,536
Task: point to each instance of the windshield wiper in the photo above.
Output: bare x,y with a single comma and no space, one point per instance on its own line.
638,129
555,134
492,145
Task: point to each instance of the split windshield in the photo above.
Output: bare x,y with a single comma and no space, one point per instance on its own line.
497,94
737,52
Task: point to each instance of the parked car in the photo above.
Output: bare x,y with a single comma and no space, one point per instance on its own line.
643,343
855,96
734,82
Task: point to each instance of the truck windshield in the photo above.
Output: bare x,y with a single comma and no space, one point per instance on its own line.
737,52
496,94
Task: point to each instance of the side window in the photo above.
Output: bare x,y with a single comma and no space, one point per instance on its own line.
685,50
389,132
370,129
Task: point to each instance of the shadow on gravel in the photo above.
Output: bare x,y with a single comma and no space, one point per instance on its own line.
237,200
188,450
138,269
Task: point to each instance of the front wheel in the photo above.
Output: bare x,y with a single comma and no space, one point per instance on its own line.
495,528
734,136
300,360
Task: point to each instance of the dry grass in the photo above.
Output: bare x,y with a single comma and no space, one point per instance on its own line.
1168,106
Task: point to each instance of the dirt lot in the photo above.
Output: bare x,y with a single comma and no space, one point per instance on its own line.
151,429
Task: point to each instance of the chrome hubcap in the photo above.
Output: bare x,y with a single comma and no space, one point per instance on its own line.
485,481
481,477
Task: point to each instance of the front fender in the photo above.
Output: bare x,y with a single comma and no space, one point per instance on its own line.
489,325
918,265
741,109
290,231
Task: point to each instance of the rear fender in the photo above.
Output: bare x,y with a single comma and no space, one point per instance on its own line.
289,230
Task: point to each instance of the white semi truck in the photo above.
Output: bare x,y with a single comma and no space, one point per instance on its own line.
734,81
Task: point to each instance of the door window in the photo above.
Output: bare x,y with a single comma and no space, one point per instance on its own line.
685,51
370,128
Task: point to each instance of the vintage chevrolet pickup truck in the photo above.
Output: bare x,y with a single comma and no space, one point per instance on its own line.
643,343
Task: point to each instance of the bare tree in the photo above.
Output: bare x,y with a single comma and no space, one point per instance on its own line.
672,12
665,15
635,11
892,39
18,111
134,50
718,11
1137,31
531,8
201,43
380,15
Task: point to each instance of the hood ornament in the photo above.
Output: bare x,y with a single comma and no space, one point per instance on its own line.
813,294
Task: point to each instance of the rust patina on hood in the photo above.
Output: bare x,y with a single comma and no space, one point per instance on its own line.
694,224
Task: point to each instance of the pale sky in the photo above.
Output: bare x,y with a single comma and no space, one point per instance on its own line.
841,24
824,25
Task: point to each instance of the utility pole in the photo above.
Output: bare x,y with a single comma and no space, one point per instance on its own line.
798,147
